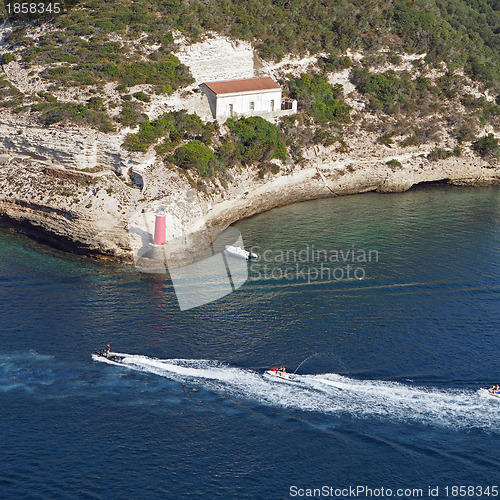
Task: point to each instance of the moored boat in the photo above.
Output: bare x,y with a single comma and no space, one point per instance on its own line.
240,252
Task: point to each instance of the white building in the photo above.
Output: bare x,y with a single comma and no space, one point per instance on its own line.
249,97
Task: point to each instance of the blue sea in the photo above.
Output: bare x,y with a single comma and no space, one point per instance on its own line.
387,366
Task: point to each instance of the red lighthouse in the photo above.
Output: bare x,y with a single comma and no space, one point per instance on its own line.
159,238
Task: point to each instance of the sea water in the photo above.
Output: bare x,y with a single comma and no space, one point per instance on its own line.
386,394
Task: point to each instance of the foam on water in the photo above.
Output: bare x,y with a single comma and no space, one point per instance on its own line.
25,371
329,394
332,393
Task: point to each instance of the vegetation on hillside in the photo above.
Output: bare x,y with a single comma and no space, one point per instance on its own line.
88,34
93,43
322,101
487,146
9,95
463,30
196,155
93,113
168,131
198,146
421,108
256,140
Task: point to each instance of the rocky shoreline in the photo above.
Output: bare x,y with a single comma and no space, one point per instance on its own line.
79,190
90,214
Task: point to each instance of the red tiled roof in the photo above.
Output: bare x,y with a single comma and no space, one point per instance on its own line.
247,85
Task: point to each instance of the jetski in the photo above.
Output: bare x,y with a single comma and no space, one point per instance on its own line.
115,358
280,375
486,391
239,252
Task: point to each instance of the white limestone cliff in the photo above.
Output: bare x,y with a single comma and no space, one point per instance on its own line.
88,202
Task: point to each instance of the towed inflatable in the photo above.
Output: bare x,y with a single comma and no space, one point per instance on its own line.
280,375
326,393
489,392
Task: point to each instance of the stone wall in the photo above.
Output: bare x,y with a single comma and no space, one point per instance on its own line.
61,173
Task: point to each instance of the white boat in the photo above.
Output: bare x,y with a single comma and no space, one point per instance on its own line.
280,375
486,391
240,252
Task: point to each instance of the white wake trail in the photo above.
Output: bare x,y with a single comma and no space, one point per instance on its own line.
331,393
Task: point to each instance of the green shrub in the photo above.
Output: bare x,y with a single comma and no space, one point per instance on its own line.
442,154
142,140
319,99
98,60
393,164
54,112
486,146
335,63
96,103
383,86
7,58
169,70
267,166
173,127
141,96
10,96
47,97
386,139
394,93
133,143
164,89
194,154
422,83
131,114
409,20
256,140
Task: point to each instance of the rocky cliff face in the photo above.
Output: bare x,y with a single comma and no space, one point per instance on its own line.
43,192
358,171
68,146
234,59
93,216
74,214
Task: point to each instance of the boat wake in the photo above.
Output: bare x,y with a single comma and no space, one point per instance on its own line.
330,393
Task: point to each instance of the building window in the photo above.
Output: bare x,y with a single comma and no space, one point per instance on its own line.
252,105
272,104
230,110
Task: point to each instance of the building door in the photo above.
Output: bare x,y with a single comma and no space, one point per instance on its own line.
272,105
230,110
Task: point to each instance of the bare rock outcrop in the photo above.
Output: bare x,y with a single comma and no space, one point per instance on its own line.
71,146
73,186
75,214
